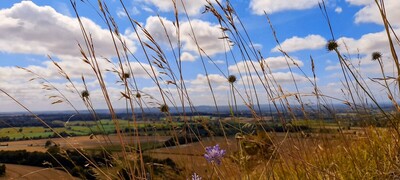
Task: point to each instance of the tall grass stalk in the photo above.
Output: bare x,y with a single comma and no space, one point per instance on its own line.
254,152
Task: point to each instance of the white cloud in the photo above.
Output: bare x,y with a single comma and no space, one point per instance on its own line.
31,29
272,6
370,13
369,68
340,91
280,78
26,28
275,63
30,93
200,94
367,44
157,30
121,13
332,67
193,7
188,57
360,2
141,70
365,66
257,46
297,43
214,79
147,9
207,35
135,11
338,10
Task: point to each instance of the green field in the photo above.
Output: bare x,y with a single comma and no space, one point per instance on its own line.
78,128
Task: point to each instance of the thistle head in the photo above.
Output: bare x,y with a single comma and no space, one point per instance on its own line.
126,75
376,56
164,108
231,79
85,94
332,45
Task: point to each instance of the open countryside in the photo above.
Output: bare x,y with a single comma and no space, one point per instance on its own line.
205,89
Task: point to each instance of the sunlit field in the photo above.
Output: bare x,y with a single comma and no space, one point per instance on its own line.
179,89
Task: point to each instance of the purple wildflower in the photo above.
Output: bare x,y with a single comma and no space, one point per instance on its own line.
195,177
214,154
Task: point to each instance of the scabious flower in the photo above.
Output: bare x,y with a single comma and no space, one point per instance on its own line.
214,154
195,176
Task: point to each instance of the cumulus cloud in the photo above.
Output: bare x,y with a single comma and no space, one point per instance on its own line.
367,67
275,63
272,6
214,79
367,44
31,93
370,13
158,27
27,28
208,36
332,67
200,94
141,69
280,78
297,43
15,82
188,57
31,29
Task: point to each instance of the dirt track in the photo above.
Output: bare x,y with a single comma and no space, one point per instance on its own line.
21,172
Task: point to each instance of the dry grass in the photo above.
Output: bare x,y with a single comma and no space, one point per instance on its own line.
374,154
33,173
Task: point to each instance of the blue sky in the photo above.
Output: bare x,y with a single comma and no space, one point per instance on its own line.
32,30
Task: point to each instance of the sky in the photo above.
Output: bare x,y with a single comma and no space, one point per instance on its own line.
33,31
